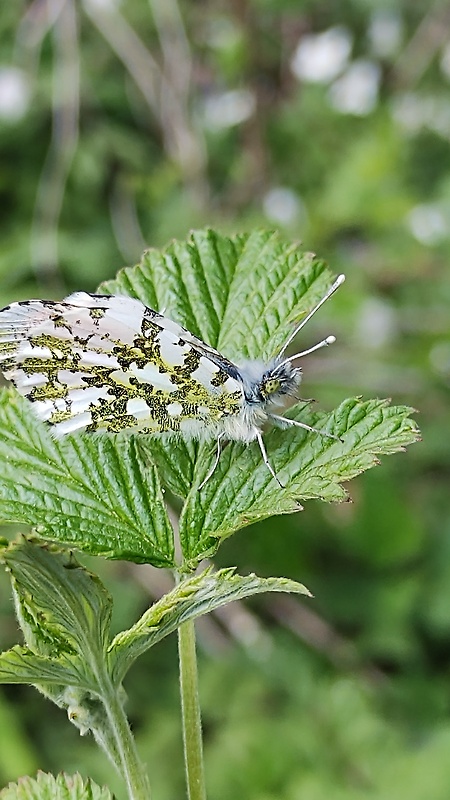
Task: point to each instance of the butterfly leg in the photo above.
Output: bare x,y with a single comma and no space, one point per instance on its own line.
266,458
287,421
216,461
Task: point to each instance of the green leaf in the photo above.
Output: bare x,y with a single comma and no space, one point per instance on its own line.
60,605
61,787
101,494
242,490
92,493
190,599
65,680
64,612
241,295
22,665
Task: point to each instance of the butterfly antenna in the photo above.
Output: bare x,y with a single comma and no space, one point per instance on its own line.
323,343
337,283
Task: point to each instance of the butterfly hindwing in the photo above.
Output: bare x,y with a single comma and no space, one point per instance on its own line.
110,363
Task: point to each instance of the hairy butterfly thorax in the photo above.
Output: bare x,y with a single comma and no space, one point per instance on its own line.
99,363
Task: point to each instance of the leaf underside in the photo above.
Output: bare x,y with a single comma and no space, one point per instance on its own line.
195,596
65,612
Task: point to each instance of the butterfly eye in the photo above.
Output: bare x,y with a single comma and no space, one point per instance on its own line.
269,387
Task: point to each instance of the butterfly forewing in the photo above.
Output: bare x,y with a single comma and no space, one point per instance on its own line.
109,363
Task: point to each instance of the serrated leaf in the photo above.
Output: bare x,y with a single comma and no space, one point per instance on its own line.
222,288
64,612
242,491
241,295
59,787
22,665
65,681
61,605
175,461
92,493
190,599
68,682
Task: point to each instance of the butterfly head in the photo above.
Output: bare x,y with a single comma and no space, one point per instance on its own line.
270,384
279,381
267,384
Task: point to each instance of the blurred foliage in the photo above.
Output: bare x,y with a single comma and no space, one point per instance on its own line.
123,124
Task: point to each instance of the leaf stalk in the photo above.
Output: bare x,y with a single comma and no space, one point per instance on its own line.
129,765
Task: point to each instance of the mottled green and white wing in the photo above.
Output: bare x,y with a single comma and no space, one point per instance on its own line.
94,362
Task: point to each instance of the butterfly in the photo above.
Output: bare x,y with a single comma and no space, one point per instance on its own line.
108,363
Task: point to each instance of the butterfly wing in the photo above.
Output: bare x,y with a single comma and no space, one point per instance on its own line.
110,363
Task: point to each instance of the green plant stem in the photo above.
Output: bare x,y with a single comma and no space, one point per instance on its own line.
129,765
190,709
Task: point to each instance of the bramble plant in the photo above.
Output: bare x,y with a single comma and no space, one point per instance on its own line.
105,495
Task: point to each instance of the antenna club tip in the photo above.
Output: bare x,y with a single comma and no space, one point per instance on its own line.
339,280
330,340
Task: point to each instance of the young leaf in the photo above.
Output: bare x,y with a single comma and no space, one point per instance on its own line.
242,491
61,787
22,665
92,493
64,612
190,599
60,605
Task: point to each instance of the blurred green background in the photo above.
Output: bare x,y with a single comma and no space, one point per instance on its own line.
126,123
